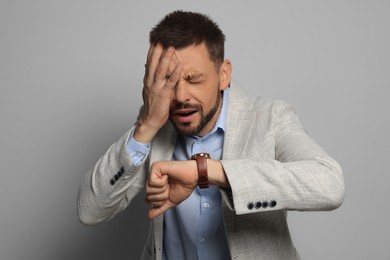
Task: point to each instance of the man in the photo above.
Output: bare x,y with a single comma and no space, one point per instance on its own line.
220,169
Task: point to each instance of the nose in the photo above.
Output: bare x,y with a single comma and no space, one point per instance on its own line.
181,92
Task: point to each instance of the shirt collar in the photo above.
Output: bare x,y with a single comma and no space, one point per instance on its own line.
221,122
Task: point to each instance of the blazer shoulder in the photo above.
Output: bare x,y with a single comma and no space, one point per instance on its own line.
268,105
274,106
240,100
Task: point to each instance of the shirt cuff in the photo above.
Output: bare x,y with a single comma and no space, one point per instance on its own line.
137,151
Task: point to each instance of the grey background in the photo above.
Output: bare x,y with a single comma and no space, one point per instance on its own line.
71,77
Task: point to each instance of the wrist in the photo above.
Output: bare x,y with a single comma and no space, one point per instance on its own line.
144,133
216,174
210,171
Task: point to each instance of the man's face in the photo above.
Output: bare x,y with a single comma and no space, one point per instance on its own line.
197,99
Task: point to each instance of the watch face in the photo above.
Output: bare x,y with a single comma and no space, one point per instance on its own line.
206,155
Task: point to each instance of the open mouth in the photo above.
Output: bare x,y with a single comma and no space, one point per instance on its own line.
185,112
184,115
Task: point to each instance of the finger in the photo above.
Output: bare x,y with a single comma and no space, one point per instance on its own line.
153,59
156,204
156,200
174,77
156,179
162,68
155,190
152,190
157,211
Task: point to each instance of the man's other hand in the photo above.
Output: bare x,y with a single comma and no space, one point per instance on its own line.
170,183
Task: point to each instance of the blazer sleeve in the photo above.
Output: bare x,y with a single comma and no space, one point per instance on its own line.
300,176
110,185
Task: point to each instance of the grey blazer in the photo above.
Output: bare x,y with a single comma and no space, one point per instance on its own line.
270,161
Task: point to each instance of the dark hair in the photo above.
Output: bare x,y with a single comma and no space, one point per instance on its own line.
181,29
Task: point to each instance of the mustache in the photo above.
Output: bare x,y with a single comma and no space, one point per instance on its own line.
186,106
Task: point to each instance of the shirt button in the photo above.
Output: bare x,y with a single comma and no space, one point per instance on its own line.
206,205
201,239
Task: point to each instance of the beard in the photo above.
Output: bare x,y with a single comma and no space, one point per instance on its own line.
186,128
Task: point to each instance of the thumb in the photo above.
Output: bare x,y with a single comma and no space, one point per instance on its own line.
157,211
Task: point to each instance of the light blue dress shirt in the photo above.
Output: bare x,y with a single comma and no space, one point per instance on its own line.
194,229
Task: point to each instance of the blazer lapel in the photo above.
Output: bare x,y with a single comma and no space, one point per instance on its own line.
162,148
238,124
163,144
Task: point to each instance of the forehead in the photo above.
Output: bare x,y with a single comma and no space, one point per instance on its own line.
195,59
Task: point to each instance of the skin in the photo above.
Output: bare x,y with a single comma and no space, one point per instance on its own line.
182,86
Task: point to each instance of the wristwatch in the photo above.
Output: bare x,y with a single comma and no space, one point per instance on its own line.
201,163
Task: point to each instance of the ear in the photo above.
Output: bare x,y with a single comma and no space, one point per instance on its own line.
225,75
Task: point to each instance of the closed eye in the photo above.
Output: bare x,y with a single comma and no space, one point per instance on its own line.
195,78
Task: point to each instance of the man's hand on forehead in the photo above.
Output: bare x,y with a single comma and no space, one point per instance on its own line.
162,72
159,61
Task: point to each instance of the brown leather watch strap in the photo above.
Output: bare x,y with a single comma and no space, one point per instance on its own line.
201,163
